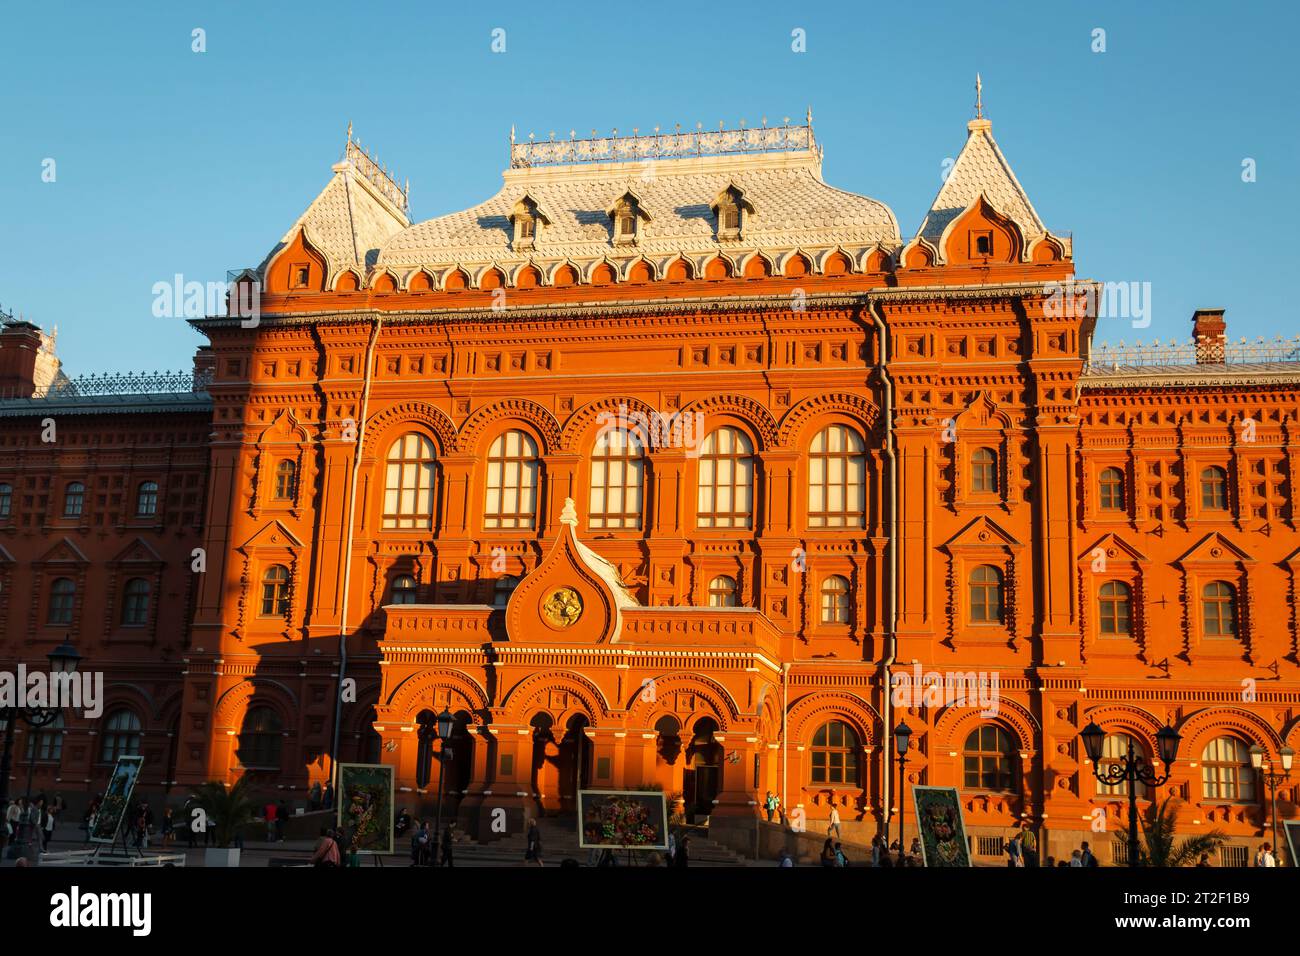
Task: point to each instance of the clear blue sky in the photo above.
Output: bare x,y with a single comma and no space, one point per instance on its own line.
170,161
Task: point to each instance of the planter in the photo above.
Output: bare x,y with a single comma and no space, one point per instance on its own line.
223,856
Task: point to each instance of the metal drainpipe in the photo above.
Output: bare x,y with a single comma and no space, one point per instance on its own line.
347,550
891,481
785,737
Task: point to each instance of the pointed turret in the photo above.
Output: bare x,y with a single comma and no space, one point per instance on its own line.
359,209
981,172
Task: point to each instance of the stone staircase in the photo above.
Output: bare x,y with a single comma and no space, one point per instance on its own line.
560,840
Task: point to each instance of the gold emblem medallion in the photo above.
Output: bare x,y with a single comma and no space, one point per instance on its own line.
562,608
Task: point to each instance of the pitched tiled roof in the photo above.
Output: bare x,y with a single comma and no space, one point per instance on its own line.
981,169
792,208
348,222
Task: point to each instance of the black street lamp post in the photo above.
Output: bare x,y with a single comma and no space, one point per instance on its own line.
1131,769
445,722
1272,779
63,659
902,734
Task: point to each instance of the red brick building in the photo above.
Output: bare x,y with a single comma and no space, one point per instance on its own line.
654,468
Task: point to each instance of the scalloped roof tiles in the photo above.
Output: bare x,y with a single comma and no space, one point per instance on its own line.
792,206
981,169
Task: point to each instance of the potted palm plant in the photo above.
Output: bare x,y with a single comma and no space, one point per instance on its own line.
1158,848
227,810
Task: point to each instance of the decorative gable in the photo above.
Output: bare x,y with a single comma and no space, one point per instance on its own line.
574,595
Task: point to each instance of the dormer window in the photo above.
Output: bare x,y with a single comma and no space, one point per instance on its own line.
625,222
625,216
527,216
730,207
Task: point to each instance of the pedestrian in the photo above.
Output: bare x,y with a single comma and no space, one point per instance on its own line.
834,822
447,839
828,853
146,820
1089,858
877,849
327,850
672,847
314,799
168,828
769,804
785,860
915,851
1265,855
268,815
1204,861
533,853
1028,846
1076,858
682,858
840,859
281,820
1012,849
328,802
419,842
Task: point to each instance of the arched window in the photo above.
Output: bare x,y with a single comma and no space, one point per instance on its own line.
984,471
403,589
726,487
286,479
1115,608
504,587
1110,490
988,759
74,499
135,602
1226,772
46,744
121,736
275,591
408,483
986,595
260,739
512,469
1219,609
146,499
63,597
835,753
6,500
722,591
1113,749
1214,489
617,479
837,473
835,600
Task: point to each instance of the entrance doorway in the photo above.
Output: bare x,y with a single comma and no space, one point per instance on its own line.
702,778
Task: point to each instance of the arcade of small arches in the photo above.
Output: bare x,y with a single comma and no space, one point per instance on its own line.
684,741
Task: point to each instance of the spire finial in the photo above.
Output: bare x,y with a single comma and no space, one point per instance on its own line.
979,97
569,515
349,131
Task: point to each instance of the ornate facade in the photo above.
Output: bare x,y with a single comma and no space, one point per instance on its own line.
661,465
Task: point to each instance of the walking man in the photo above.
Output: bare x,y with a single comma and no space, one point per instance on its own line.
834,822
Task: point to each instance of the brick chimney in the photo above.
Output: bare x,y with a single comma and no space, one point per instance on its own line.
20,343
1209,332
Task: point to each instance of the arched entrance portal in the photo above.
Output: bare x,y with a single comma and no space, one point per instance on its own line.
702,777
574,763
560,767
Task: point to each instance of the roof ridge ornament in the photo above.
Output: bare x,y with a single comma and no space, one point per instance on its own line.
980,122
569,515
382,179
663,145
